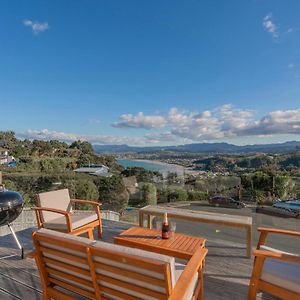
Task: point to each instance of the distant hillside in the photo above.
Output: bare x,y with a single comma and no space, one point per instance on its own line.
203,148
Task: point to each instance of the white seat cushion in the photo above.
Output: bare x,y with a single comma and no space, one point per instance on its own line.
80,254
281,273
55,199
77,221
178,270
125,266
267,248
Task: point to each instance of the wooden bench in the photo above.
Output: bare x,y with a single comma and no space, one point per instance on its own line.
73,267
241,222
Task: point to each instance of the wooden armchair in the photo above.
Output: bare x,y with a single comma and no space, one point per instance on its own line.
71,267
274,271
54,211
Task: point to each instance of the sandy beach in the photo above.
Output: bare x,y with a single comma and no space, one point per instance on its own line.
167,167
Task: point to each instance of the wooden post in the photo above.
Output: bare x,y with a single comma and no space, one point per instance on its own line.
149,220
0,178
249,241
141,219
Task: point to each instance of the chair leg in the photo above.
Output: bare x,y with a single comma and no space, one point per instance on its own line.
46,297
252,292
90,234
100,231
255,277
201,294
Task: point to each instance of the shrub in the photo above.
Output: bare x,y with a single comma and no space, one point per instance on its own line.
149,194
197,196
177,195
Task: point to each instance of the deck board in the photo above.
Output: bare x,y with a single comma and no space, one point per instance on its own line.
226,272
12,284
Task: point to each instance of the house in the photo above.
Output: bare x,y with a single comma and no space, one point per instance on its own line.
97,170
6,159
3,152
130,184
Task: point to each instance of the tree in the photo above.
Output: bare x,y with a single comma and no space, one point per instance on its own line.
281,185
262,181
112,192
177,195
149,194
141,174
84,147
172,177
197,196
86,190
8,139
84,159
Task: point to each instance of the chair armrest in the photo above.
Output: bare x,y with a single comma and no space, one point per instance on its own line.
54,210
278,231
276,255
193,266
264,231
39,210
86,202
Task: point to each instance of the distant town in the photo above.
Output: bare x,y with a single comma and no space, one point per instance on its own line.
253,177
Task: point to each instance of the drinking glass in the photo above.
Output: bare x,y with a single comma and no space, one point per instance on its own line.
158,226
172,228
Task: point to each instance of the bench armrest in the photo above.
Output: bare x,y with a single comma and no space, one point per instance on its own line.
264,231
39,210
193,267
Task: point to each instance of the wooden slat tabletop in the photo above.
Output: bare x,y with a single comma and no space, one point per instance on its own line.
181,246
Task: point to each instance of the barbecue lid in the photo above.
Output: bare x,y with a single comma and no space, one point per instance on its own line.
10,199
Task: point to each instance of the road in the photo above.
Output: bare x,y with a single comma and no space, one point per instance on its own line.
229,234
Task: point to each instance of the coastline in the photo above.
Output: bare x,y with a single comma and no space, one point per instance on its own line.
180,170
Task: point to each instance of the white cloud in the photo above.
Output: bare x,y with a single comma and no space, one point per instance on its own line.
158,137
45,134
276,122
36,26
216,124
140,121
291,29
291,66
270,26
221,123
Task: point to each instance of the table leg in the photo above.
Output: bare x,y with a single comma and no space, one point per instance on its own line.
149,221
141,219
249,241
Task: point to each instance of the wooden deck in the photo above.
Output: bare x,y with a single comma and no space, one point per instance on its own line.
227,271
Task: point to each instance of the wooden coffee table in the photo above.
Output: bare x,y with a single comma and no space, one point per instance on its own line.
181,246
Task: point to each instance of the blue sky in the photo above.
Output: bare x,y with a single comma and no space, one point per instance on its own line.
151,72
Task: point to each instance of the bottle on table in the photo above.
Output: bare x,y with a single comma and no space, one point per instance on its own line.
165,234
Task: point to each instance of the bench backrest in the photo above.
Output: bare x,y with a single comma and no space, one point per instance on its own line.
62,261
91,268
132,274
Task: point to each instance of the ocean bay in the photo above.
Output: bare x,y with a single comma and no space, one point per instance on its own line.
161,167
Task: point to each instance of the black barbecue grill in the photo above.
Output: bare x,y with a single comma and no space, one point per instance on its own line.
11,205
